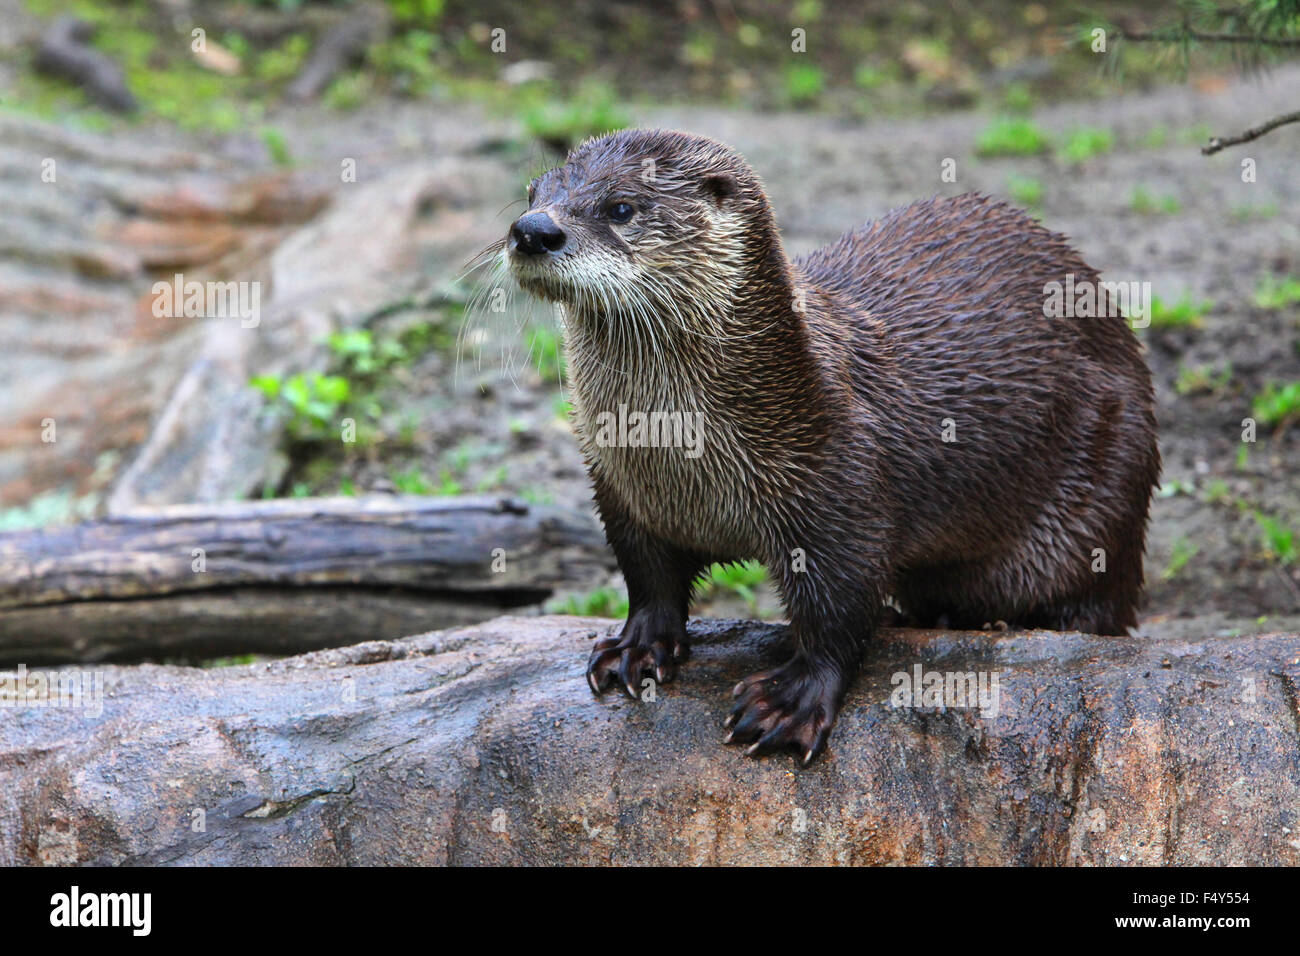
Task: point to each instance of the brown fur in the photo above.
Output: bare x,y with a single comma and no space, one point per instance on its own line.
825,384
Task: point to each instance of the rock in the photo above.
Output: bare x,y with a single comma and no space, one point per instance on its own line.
173,413
211,441
79,255
483,745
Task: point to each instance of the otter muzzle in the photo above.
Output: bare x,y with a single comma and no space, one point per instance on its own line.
536,234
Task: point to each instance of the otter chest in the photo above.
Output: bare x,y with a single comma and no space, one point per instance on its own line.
676,463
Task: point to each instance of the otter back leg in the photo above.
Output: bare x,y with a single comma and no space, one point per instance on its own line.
1064,588
948,596
1107,606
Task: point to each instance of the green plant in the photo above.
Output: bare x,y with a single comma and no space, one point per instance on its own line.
1144,203
432,335
807,11
1185,313
602,602
1275,293
1194,135
1182,552
49,508
447,484
462,455
348,90
277,64
740,578
313,401
1155,137
1248,212
1252,30
494,479
1011,136
277,146
411,481
1201,379
1217,492
803,83
1172,488
590,112
1025,190
408,430
364,356
700,49
236,660
1279,541
1018,98
868,77
407,58
1277,404
546,352
424,12
1085,143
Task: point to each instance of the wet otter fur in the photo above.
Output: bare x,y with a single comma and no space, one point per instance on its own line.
890,417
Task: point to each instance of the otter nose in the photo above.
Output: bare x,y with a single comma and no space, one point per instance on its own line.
535,233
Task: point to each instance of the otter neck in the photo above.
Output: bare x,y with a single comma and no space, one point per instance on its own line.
698,337
759,374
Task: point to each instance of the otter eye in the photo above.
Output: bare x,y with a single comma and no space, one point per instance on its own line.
619,211
532,191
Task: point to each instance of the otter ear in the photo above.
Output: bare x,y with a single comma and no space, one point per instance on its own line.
719,187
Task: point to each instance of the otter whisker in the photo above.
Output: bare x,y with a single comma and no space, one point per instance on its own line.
484,256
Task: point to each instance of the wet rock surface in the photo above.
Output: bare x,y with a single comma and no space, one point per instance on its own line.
483,745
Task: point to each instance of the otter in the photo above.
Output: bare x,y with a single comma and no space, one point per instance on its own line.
892,420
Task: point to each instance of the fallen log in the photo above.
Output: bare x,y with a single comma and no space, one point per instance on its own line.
64,51
198,581
345,43
484,746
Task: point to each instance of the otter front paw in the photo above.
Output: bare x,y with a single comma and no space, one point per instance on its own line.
791,706
651,643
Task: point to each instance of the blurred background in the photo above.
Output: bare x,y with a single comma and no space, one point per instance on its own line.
346,160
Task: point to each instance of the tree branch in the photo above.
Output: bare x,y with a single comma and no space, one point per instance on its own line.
1255,132
1175,35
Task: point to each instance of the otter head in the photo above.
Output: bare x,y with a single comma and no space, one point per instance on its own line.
642,222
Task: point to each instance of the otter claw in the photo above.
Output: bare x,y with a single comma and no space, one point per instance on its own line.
792,706
641,649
